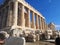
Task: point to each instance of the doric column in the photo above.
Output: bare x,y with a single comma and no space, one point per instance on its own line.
29,17
37,22
22,17
40,23
33,20
9,16
44,24
15,14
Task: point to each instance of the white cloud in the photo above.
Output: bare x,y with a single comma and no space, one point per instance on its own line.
57,25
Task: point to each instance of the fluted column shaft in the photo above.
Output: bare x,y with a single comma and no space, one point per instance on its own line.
37,22
15,14
22,17
44,24
29,18
33,19
40,24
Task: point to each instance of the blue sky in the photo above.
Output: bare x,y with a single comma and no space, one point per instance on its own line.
50,9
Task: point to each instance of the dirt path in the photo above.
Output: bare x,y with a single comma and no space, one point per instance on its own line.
39,43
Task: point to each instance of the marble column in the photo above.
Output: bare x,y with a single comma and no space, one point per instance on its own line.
40,24
29,18
33,20
9,16
44,24
37,22
15,14
22,17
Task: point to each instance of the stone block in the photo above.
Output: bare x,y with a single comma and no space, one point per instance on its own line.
15,41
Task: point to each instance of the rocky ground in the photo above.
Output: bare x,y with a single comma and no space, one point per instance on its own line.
39,43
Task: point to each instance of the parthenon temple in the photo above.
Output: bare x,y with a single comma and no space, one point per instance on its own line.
19,14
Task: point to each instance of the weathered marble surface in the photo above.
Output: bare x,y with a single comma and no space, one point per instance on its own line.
15,41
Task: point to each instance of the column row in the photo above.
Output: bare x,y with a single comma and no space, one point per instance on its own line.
37,24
